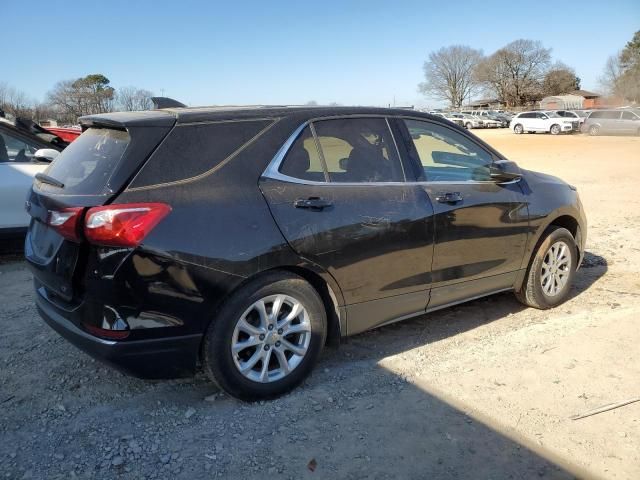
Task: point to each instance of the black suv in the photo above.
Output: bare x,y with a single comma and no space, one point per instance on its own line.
244,239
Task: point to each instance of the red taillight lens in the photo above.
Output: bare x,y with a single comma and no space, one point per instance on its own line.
66,222
105,333
123,225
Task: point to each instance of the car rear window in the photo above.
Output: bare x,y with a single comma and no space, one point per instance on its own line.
86,165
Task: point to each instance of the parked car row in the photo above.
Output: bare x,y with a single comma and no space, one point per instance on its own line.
476,118
592,122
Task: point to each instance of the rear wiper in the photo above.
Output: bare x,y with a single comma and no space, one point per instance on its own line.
50,180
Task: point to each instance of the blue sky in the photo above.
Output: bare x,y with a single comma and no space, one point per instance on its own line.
351,52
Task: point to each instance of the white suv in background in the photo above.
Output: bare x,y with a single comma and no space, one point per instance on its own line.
532,122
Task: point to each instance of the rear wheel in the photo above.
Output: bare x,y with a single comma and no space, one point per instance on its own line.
551,271
555,129
266,338
518,129
594,130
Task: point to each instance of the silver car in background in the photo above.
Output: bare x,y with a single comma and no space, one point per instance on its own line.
613,122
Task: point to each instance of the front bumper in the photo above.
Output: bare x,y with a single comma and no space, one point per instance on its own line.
165,357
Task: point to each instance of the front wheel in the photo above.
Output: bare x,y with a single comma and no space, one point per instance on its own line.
594,130
266,338
551,271
555,129
518,129
468,125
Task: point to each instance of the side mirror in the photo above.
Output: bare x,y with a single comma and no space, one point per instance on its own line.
343,163
46,155
503,171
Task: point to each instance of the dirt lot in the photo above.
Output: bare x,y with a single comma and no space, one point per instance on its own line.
483,390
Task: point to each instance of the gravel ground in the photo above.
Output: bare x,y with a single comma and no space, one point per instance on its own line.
483,390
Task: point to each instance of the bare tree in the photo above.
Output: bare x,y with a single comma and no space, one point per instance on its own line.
14,101
449,74
132,99
83,96
611,74
515,72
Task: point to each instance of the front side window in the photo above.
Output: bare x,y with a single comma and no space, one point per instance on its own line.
446,155
15,149
629,116
358,150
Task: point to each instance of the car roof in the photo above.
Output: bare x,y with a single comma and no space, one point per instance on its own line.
169,116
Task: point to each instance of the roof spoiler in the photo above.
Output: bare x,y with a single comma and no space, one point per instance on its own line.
166,102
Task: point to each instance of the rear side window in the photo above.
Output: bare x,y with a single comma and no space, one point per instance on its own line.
87,164
193,149
359,150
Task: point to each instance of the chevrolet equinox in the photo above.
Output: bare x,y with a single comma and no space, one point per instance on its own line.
243,239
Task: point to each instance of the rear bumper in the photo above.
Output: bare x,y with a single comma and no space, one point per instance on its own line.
167,357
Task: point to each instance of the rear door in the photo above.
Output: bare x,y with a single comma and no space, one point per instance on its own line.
629,122
481,226
340,198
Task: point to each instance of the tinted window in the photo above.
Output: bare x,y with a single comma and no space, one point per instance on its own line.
359,150
15,149
302,160
527,115
86,165
447,155
629,116
191,150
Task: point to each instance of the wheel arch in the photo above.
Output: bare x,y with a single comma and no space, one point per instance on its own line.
321,281
560,219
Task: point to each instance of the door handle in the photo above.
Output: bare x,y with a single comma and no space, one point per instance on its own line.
312,203
449,197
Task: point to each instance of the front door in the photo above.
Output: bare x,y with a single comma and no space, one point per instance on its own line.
341,201
481,226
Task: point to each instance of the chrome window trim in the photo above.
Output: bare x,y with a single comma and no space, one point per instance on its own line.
272,171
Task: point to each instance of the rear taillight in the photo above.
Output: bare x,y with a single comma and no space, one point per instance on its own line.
123,225
107,333
66,222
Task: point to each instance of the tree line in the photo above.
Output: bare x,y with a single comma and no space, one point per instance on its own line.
70,99
520,73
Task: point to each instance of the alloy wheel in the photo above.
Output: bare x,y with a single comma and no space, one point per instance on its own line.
271,338
556,269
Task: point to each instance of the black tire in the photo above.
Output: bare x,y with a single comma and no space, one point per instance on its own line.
468,125
217,358
518,129
555,129
594,130
531,293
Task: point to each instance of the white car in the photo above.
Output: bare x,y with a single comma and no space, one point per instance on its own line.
22,156
451,118
470,121
532,122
